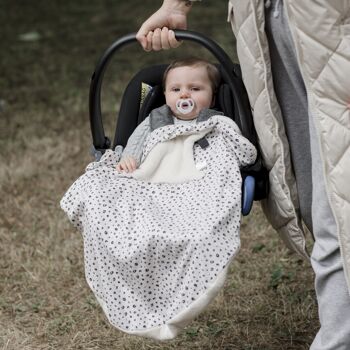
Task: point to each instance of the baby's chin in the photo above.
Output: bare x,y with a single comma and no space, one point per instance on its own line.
188,116
185,116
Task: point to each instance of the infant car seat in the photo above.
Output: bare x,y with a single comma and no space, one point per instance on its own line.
231,99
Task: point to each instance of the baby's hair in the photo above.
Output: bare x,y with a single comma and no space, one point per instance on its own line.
213,72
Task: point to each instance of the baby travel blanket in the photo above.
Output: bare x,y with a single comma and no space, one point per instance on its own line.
158,241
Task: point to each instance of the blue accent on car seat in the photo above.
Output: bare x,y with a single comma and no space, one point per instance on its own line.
95,153
248,194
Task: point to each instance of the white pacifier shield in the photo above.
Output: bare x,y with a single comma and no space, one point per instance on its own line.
185,105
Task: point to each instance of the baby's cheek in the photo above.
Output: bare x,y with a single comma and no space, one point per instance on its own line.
173,110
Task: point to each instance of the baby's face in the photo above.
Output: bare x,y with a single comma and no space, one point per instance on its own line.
188,82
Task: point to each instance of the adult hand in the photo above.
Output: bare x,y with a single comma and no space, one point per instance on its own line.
156,32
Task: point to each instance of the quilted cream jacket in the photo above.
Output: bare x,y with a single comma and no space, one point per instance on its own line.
321,33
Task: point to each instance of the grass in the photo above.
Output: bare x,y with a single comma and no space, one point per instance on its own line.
49,53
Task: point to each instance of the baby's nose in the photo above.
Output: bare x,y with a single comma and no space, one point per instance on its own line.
184,94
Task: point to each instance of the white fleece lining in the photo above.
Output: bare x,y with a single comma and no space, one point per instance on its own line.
171,161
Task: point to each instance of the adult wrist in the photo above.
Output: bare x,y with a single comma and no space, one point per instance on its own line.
183,6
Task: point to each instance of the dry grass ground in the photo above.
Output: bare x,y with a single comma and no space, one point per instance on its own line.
268,302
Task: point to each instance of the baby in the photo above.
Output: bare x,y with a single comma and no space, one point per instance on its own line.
159,243
189,88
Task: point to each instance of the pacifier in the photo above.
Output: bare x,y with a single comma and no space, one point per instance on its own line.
185,105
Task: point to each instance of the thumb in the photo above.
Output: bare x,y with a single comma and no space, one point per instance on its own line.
141,36
157,20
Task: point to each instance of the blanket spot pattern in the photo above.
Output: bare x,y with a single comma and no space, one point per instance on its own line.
152,249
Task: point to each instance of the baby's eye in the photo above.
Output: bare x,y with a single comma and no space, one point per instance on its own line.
195,88
175,89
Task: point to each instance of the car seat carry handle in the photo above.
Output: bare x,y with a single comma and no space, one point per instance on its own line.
101,142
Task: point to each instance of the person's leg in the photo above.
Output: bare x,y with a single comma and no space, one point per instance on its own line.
331,289
330,284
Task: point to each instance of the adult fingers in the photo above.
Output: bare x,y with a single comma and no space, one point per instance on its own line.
148,46
159,39
172,40
142,34
142,39
156,40
157,20
164,38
